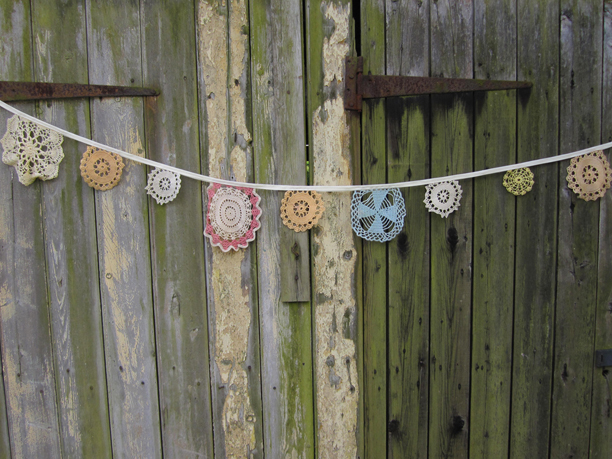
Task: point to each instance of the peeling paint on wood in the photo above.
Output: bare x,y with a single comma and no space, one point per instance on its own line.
334,252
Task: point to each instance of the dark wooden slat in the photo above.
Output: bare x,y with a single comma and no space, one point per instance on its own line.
601,411
408,149
70,241
536,231
577,252
451,238
279,144
494,214
181,323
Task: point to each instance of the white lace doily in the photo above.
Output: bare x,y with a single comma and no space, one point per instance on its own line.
443,198
163,185
589,175
34,151
232,217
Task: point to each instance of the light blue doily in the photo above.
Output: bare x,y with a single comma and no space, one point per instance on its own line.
377,215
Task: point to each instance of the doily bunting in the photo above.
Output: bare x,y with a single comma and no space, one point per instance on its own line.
101,169
377,215
589,176
519,181
34,151
301,210
443,198
163,185
233,216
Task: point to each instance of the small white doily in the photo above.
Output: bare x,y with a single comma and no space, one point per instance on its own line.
163,185
34,151
443,198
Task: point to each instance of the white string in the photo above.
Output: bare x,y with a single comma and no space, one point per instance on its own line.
320,188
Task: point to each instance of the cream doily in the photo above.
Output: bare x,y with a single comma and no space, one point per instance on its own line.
444,197
232,217
101,169
589,175
519,181
34,151
301,210
163,185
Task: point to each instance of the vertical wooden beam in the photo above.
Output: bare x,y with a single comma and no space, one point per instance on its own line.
494,215
223,53
601,412
536,230
70,241
373,160
580,116
114,45
279,144
451,238
335,268
27,361
408,148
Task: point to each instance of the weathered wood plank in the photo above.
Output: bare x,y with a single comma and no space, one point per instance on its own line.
223,54
70,241
494,216
374,254
451,238
280,137
177,232
536,230
408,146
577,251
123,235
335,268
601,412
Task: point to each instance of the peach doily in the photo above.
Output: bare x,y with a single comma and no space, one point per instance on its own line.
589,176
301,210
101,169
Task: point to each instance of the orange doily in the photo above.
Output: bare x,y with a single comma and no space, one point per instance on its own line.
301,210
101,169
589,176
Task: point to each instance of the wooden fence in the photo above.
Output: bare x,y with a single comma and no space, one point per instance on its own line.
123,333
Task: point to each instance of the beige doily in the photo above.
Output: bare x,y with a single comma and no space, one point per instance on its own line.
101,169
301,210
589,176
519,181
34,151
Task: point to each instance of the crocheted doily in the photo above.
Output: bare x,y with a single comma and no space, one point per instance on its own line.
377,215
232,217
34,151
163,185
589,175
444,197
101,169
519,181
301,210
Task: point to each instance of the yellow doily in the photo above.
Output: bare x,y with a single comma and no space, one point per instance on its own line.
101,169
301,210
589,176
519,181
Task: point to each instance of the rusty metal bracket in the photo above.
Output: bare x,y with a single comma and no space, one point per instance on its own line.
12,91
359,86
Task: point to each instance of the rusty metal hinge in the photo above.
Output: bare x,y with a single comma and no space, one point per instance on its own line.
360,86
12,91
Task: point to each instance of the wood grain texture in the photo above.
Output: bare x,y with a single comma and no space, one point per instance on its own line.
27,356
536,231
123,235
494,215
279,144
335,268
408,157
223,53
70,241
451,238
577,252
374,253
601,411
